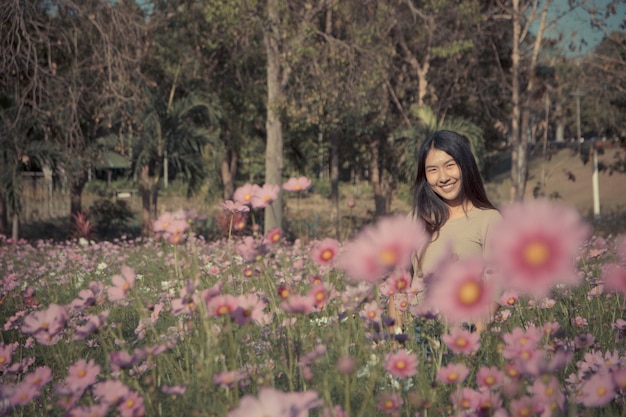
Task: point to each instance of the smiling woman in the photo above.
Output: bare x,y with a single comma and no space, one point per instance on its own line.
451,202
450,198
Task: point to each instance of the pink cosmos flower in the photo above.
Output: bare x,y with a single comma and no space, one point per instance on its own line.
81,375
121,284
403,301
389,402
23,394
489,402
598,390
173,389
371,312
526,407
383,247
132,405
39,377
548,391
399,281
299,184
249,249
163,222
94,322
244,194
465,399
264,196
463,341
401,364
249,309
460,293
346,365
123,359
96,410
6,351
521,343
489,377
275,403
321,294
273,235
296,303
325,252
221,305
228,379
453,373
619,377
234,207
85,299
509,298
110,392
614,277
188,300
46,325
534,246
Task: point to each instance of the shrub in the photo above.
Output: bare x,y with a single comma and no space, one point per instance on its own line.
108,215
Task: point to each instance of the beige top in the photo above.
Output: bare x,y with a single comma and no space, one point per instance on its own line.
459,238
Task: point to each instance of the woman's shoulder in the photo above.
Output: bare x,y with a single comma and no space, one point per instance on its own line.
487,215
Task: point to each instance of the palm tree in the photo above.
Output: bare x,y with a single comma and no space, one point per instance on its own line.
175,134
409,139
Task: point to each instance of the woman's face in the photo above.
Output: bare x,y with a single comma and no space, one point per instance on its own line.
444,176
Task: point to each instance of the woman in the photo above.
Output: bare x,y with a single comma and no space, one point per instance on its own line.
450,199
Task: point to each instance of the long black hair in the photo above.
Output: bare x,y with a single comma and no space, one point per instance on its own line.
429,206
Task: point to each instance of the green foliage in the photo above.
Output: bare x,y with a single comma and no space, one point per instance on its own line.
408,140
110,218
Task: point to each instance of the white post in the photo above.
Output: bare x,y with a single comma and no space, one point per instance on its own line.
595,182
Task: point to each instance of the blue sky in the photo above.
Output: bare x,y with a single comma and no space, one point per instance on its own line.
576,25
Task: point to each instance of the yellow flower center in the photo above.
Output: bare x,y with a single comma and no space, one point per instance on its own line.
453,376
490,380
601,391
525,412
81,373
327,255
222,310
469,293
401,365
388,257
461,342
536,253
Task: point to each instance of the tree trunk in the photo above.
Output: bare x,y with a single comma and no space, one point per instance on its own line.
274,146
515,117
334,182
380,201
15,227
77,185
145,189
228,169
4,219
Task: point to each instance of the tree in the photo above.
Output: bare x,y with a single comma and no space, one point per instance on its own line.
180,129
21,145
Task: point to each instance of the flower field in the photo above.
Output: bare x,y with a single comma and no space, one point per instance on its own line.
255,325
